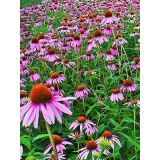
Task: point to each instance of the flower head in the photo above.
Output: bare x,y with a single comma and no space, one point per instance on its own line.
43,100
128,85
107,17
111,138
55,78
59,142
91,147
84,124
81,92
116,95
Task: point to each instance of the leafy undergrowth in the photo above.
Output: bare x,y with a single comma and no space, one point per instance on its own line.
80,80
27,3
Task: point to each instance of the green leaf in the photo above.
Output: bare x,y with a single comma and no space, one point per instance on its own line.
128,120
131,140
116,124
91,108
26,142
102,127
40,136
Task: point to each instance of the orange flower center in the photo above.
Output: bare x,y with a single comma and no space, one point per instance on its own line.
57,139
76,37
31,71
91,145
116,91
40,94
22,94
109,63
107,134
88,54
54,75
65,19
80,88
108,28
24,58
114,47
51,51
108,13
127,82
65,60
82,20
55,36
89,72
117,36
53,156
136,59
81,119
97,33
77,135
41,36
34,40
98,19
108,52
134,102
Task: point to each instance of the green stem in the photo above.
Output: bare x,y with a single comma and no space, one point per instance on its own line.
83,106
51,139
134,114
78,146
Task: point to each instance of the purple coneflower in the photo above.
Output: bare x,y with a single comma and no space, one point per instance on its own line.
34,76
53,156
114,50
111,66
85,124
109,55
81,92
51,55
116,95
90,44
119,40
56,78
88,56
76,43
59,142
99,37
89,72
134,33
128,85
43,100
136,64
34,44
133,102
75,135
111,138
24,61
108,17
68,64
107,31
22,96
23,70
22,81
91,147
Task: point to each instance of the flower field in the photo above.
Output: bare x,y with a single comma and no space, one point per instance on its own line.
80,80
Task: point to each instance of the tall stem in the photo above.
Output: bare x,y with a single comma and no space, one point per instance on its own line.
83,106
134,114
51,139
